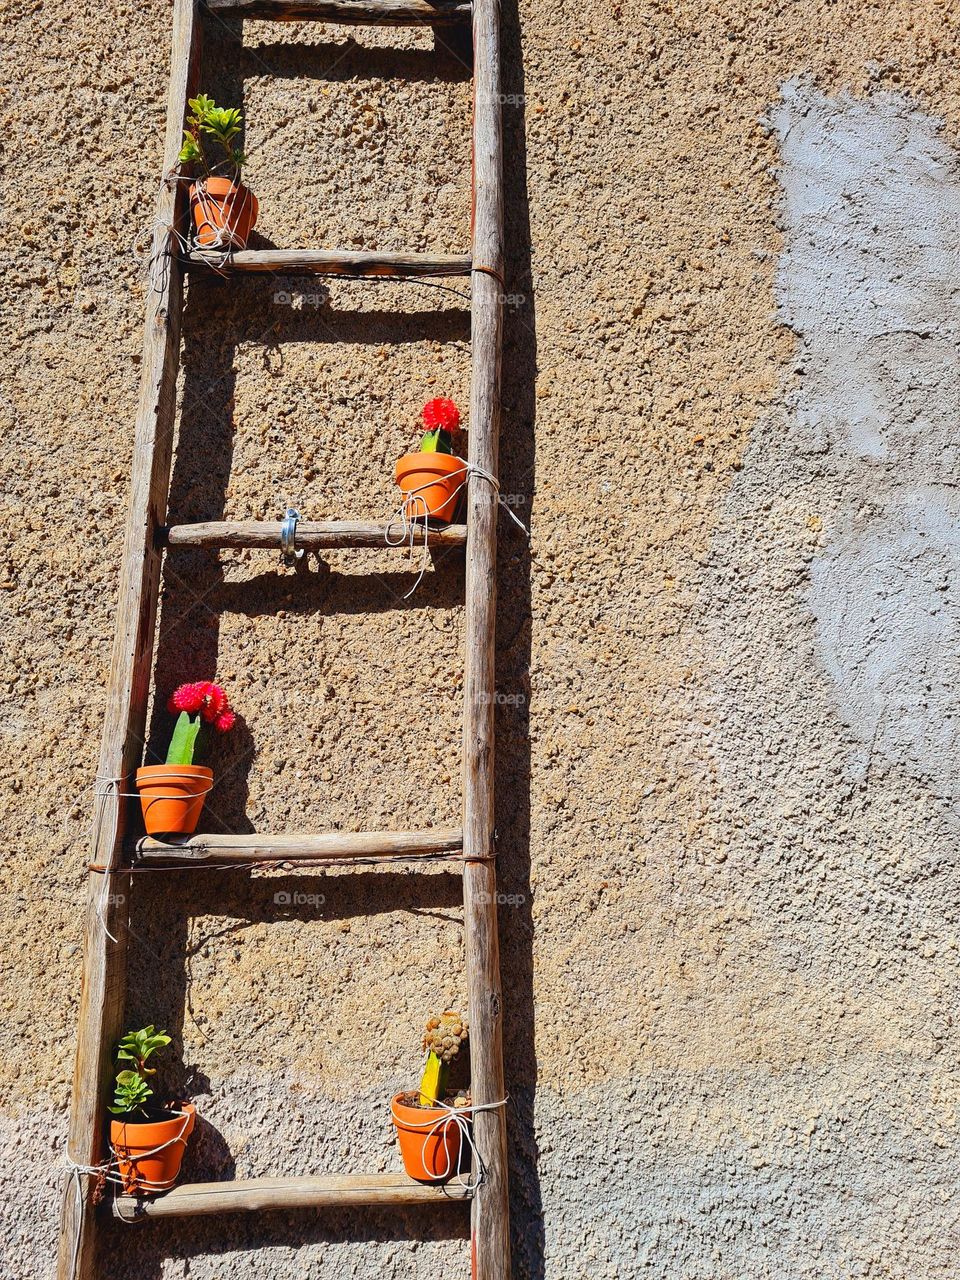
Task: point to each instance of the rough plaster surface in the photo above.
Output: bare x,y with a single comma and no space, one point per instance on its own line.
878,396
725,776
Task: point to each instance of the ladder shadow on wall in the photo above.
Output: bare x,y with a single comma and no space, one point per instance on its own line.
349,60
518,483
285,1231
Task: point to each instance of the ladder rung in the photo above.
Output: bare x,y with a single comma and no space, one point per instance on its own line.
260,1194
333,262
330,534
240,849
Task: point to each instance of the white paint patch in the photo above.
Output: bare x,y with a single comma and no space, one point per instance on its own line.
870,281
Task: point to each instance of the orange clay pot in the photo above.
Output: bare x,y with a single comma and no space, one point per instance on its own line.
224,212
149,1174
429,1154
433,484
172,796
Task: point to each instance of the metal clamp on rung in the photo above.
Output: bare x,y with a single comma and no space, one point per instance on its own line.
288,537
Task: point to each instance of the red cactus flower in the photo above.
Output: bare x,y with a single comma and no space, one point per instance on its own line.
203,696
225,722
189,698
214,702
441,413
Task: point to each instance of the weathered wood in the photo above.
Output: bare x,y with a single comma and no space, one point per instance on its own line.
375,13
257,1195
334,845
490,1211
311,535
331,262
108,897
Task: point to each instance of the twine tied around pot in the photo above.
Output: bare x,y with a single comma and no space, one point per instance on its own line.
109,1171
165,239
461,1117
103,787
409,513
225,240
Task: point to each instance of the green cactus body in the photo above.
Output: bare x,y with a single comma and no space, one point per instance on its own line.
433,1084
442,1041
184,740
438,441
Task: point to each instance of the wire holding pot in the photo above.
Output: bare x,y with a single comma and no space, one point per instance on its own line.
109,1171
409,514
461,1118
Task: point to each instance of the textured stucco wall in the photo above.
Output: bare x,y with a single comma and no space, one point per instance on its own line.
726,776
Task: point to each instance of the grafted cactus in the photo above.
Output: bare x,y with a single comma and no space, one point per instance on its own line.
442,1040
441,418
208,702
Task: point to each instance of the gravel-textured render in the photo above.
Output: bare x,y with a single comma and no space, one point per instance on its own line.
727,776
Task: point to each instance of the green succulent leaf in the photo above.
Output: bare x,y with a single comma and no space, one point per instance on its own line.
131,1093
190,152
223,123
138,1046
201,106
215,124
131,1090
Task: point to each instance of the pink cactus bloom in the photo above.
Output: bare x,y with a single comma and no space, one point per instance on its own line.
208,699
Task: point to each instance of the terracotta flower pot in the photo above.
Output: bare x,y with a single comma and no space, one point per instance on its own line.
171,796
165,1140
224,212
429,1146
432,483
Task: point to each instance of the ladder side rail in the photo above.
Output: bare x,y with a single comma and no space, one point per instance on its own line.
103,991
490,1208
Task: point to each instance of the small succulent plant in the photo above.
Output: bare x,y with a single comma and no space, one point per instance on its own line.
131,1091
205,701
441,418
442,1041
209,124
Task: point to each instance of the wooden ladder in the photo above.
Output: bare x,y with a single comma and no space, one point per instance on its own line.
147,532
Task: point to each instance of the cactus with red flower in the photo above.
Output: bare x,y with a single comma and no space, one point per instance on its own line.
198,703
441,418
